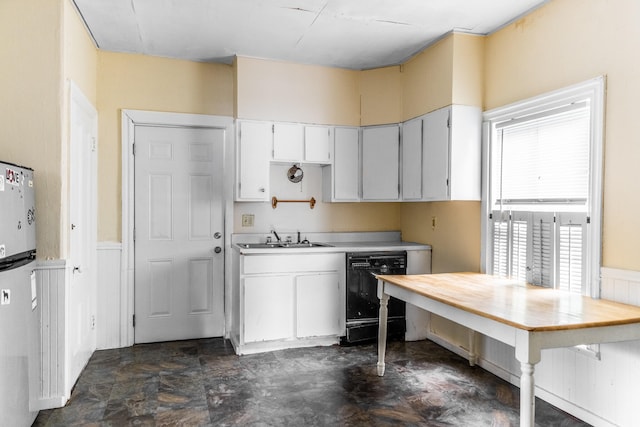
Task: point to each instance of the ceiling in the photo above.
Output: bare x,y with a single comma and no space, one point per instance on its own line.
354,34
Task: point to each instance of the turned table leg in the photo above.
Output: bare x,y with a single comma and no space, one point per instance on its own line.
382,327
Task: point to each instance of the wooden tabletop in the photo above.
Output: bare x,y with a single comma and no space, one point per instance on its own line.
533,308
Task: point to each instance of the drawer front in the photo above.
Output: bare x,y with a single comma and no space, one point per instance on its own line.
264,264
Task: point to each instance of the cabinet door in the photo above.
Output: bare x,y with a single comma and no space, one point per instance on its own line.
288,142
465,153
318,305
268,308
346,165
412,159
435,160
254,143
316,144
380,162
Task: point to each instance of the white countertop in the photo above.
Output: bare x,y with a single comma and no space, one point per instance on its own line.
339,242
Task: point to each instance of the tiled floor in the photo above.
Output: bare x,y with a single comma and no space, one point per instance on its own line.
203,383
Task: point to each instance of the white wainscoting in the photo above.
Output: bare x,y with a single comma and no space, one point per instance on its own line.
110,297
52,391
601,391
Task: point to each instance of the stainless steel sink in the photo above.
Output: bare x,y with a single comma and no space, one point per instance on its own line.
282,245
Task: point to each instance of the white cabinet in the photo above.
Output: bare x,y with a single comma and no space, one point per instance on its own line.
317,305
317,144
286,301
452,154
268,302
341,180
254,144
380,163
297,143
288,139
412,159
441,155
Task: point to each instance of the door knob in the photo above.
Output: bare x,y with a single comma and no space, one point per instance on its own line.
217,235
217,249
77,269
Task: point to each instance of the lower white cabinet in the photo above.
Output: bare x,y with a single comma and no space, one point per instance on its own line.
287,301
317,311
268,303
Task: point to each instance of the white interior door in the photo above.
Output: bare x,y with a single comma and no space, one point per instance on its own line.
179,214
81,307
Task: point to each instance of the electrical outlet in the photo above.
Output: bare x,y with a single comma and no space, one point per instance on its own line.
247,220
5,296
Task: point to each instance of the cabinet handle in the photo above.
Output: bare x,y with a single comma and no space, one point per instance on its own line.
261,189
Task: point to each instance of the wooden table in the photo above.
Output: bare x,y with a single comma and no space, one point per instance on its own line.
529,318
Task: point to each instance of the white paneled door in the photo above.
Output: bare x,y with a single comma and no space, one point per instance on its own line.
179,218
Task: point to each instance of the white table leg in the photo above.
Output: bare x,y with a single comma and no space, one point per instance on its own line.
473,348
527,395
382,327
528,353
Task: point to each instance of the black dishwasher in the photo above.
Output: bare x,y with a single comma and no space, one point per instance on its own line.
363,304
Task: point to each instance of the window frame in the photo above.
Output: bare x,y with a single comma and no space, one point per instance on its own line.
594,91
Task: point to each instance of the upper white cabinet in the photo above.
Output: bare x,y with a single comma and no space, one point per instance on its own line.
317,144
412,159
451,154
297,143
341,180
252,176
380,163
438,159
441,155
288,142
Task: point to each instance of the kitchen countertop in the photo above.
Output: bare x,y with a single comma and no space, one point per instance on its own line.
340,242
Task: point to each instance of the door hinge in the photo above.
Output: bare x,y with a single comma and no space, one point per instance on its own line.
94,145
273,128
449,121
134,234
588,220
134,320
133,148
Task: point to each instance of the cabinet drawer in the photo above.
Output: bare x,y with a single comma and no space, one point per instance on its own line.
283,263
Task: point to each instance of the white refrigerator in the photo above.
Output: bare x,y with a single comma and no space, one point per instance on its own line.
19,314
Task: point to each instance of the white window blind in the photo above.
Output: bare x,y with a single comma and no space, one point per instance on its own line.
543,159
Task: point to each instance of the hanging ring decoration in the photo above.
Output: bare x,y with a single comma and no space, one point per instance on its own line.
295,174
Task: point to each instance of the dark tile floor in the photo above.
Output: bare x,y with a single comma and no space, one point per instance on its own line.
203,383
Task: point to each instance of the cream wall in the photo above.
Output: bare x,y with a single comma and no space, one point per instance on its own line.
284,91
381,96
427,79
567,42
31,108
455,240
139,82
467,82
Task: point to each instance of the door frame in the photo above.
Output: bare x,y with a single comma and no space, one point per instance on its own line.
131,119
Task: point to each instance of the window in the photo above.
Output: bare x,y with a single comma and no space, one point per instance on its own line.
542,189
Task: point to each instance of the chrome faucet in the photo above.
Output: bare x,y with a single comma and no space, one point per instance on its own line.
276,234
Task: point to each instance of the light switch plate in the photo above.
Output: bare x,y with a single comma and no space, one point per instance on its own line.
247,220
